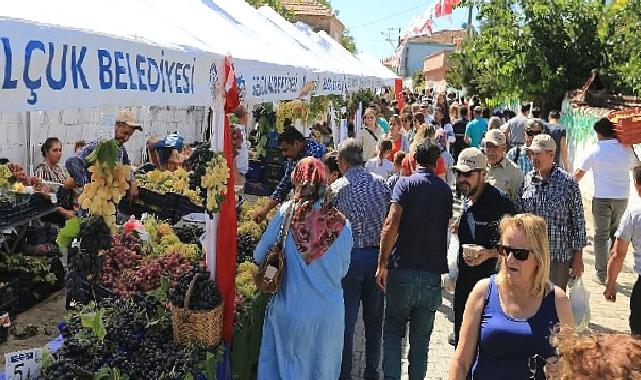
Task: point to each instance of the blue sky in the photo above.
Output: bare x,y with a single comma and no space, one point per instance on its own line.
369,20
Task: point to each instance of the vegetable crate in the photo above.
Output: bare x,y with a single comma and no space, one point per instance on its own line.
9,296
627,124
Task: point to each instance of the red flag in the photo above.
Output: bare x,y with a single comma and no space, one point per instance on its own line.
398,91
447,7
226,233
437,10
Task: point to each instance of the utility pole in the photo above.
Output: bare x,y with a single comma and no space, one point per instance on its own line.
389,37
469,18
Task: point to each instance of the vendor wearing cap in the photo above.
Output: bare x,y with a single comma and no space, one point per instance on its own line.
126,125
501,172
554,195
483,207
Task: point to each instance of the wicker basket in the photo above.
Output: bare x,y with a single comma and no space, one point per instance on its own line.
201,326
627,125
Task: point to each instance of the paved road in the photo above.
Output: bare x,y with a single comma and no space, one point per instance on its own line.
606,316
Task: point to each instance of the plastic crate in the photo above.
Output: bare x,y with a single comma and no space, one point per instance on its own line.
627,124
167,200
274,171
184,206
256,171
259,189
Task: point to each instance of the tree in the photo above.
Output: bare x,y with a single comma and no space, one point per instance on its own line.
530,49
620,33
348,42
275,5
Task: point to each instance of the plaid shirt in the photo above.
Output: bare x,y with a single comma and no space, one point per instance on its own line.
364,199
77,166
312,149
522,160
558,200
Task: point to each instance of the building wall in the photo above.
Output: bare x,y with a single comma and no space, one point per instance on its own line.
416,53
71,125
327,23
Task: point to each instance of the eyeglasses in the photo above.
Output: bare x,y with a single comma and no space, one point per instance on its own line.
519,253
532,133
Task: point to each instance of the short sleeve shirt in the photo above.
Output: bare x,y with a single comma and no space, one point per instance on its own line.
630,230
506,177
476,130
422,236
610,162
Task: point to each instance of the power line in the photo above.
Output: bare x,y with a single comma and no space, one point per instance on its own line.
390,16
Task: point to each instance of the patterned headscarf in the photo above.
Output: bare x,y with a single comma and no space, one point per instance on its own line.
316,224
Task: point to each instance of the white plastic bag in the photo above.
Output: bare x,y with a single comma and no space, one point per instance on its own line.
580,301
449,279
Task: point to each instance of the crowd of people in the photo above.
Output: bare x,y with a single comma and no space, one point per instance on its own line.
379,213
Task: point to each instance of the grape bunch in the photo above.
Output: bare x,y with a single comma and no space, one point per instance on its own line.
107,187
190,233
198,162
245,246
204,296
17,171
138,342
95,235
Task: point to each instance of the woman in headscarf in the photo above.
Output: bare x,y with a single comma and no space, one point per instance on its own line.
305,320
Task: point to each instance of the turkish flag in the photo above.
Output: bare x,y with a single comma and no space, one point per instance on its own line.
226,233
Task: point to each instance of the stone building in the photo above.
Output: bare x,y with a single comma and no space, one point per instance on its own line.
318,16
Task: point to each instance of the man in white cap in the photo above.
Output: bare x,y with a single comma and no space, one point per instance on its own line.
501,172
484,206
126,125
554,195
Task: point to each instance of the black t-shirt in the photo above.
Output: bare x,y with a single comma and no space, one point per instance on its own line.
486,213
557,132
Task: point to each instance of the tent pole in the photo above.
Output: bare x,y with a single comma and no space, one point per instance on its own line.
27,121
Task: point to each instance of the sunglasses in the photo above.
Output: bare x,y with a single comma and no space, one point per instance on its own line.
519,253
533,133
466,174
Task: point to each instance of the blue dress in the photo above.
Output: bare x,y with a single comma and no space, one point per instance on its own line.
508,347
305,320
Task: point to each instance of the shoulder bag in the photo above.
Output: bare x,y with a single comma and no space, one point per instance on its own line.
270,272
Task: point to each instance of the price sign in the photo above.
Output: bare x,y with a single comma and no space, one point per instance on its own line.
23,365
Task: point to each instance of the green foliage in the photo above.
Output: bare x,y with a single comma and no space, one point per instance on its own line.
69,232
530,49
105,152
418,80
348,42
620,31
275,5
94,321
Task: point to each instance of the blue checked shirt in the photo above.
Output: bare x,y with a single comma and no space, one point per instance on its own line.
364,199
77,166
558,200
519,156
312,149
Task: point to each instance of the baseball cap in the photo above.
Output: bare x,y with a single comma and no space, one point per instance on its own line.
470,159
542,143
129,118
495,137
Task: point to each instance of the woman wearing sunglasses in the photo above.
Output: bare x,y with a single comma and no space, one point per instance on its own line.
509,317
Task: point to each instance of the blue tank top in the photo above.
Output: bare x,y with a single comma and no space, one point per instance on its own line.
508,346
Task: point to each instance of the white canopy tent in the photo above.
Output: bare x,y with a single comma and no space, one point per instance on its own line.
385,75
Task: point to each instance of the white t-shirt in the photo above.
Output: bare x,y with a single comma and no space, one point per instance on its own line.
385,170
630,230
610,163
242,159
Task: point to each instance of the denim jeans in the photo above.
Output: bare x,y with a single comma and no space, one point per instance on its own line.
635,308
417,295
607,213
360,285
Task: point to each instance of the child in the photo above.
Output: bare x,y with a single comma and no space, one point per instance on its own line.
398,162
380,165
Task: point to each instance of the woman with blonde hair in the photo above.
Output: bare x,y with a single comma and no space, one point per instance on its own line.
509,317
370,134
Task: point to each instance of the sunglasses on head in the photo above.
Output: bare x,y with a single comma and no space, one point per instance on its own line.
519,253
532,133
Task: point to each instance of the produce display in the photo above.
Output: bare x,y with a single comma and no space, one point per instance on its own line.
127,339
189,234
162,240
5,176
164,181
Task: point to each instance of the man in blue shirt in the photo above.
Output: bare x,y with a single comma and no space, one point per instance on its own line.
294,147
363,198
476,129
412,257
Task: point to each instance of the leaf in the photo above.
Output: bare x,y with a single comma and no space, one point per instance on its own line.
47,359
51,278
103,373
209,366
189,376
69,232
94,322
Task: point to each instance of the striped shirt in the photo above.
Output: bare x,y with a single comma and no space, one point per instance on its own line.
557,199
364,199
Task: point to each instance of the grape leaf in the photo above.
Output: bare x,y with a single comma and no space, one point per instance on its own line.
94,322
69,232
105,152
209,366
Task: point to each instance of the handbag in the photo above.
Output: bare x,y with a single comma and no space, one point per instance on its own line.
270,272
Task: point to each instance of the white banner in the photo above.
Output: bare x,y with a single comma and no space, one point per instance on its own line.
52,68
